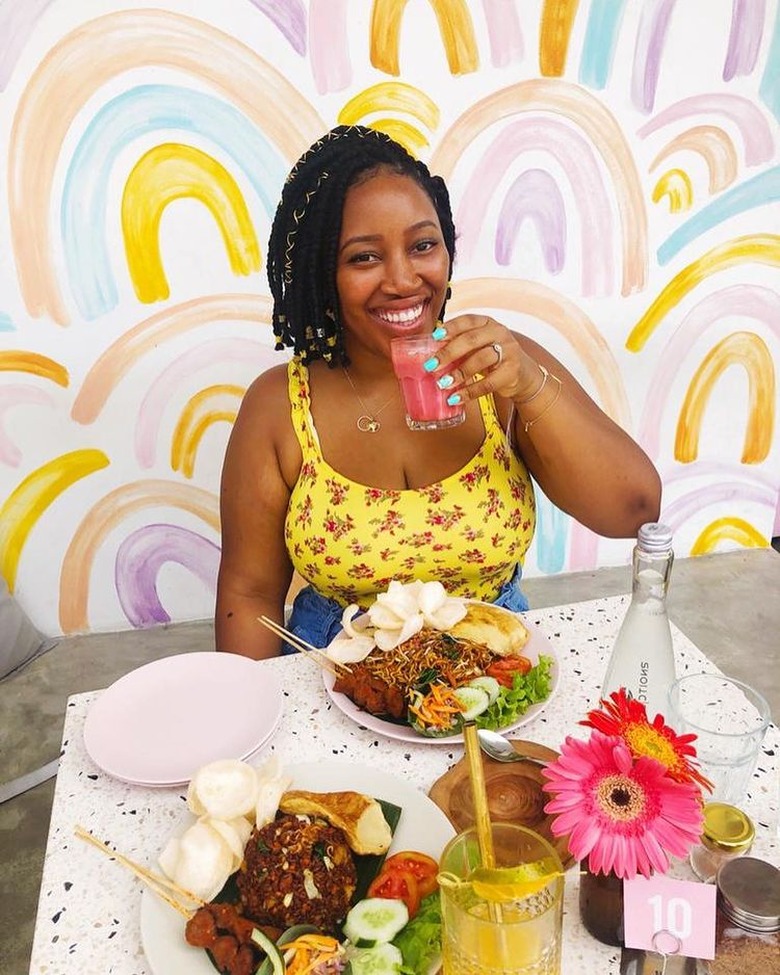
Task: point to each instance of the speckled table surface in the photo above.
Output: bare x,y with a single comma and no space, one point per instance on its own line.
88,919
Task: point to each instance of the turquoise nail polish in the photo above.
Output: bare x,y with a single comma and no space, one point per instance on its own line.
439,333
430,364
453,399
445,382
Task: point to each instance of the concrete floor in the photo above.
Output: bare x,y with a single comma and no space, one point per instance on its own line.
727,604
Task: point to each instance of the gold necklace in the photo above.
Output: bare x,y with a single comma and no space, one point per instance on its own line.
367,421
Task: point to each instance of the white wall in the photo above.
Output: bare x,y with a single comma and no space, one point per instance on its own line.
616,196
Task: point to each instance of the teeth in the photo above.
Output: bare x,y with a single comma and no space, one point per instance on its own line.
399,317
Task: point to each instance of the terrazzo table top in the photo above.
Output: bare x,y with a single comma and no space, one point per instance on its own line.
88,919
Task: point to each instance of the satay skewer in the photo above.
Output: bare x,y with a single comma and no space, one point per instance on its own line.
307,648
173,895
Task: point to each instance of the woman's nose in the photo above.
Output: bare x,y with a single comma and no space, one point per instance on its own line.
401,276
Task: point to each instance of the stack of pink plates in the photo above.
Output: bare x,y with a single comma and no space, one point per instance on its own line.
157,725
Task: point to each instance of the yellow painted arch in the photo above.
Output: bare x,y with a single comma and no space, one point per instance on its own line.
728,529
761,248
86,61
750,351
676,185
716,148
27,502
393,96
572,102
172,171
109,512
455,27
36,364
147,335
561,314
554,33
218,403
410,137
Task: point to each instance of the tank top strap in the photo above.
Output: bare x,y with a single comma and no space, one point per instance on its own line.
494,432
299,393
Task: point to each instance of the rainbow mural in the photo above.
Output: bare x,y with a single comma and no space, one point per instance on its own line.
616,198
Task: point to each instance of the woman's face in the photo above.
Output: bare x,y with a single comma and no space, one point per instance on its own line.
392,267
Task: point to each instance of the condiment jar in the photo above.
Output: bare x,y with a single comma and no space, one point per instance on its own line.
747,936
727,833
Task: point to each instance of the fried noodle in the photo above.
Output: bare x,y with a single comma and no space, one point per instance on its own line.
456,660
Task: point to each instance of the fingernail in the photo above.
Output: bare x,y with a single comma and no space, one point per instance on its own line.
445,382
453,399
439,333
430,364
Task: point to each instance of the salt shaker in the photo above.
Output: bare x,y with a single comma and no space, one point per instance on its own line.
727,832
747,939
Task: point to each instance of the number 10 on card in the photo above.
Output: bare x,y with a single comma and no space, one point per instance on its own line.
670,916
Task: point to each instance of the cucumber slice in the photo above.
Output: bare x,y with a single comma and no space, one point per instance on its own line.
274,961
376,919
384,959
488,684
473,700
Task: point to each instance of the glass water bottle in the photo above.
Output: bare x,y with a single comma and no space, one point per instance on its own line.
642,659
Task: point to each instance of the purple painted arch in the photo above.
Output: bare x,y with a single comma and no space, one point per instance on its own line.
140,558
534,195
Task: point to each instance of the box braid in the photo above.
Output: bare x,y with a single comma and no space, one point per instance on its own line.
303,246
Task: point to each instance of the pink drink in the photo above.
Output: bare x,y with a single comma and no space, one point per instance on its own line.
426,405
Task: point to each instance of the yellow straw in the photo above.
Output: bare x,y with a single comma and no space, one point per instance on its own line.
478,791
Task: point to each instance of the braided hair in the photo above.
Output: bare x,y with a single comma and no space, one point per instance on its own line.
303,246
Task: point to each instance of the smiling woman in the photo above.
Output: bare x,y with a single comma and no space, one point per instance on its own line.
322,473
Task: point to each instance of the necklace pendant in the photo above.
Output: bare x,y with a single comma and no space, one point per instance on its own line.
367,424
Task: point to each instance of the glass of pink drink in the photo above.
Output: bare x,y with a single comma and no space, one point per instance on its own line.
426,405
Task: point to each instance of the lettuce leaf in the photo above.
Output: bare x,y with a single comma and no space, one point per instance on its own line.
420,940
512,703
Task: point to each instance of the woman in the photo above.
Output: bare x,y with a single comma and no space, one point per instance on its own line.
322,474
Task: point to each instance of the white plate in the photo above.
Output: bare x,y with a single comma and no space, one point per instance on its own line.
537,644
157,725
422,826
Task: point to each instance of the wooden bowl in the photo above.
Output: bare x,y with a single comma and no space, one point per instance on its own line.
514,791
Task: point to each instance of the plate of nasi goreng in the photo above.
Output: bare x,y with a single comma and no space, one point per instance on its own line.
290,872
418,663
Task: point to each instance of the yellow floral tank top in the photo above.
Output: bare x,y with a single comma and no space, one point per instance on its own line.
349,540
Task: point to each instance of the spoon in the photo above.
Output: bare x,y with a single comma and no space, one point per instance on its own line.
498,748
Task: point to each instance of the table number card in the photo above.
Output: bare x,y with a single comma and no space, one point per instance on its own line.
670,916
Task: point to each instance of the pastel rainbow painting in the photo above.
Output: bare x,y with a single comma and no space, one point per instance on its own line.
614,173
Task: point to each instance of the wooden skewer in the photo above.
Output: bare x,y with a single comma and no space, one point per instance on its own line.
161,885
322,658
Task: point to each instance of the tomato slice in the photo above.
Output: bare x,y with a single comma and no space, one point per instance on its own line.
420,865
505,669
397,885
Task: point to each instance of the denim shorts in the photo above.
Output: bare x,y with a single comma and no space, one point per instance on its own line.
317,619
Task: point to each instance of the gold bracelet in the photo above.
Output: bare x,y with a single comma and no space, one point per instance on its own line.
540,390
529,423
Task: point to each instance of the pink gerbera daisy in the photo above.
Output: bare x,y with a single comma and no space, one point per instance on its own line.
627,718
624,815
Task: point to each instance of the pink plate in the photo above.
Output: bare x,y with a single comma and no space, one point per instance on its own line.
158,724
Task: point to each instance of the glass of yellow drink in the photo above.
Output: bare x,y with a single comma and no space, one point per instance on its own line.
505,920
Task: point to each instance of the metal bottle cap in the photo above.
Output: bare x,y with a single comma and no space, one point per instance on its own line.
726,828
655,538
749,893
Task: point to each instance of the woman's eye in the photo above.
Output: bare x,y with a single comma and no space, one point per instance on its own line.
361,258
425,245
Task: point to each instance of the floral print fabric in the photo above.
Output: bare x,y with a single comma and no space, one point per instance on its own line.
349,540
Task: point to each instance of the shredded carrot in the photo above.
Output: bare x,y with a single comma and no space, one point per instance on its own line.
308,951
437,707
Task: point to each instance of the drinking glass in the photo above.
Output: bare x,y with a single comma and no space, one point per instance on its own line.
426,405
729,719
507,926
